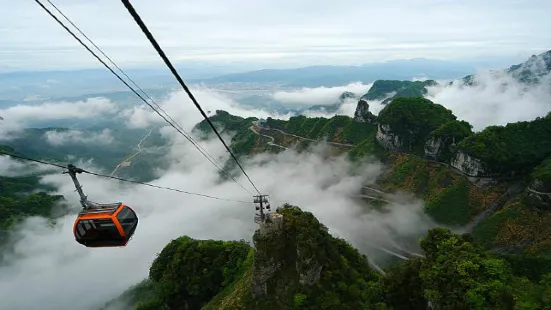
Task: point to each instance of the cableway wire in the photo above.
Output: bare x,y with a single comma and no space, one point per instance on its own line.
161,53
119,179
136,85
177,127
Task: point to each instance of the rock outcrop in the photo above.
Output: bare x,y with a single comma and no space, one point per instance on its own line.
434,147
539,193
469,165
440,144
440,148
362,113
388,139
275,261
297,261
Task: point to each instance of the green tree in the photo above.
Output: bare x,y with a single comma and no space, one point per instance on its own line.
461,275
404,287
413,119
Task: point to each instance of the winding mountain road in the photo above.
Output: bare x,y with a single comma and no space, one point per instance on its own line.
271,138
127,160
308,139
400,252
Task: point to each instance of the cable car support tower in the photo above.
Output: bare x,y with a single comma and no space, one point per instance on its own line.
261,203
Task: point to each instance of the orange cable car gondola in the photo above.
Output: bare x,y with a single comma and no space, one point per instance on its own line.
102,225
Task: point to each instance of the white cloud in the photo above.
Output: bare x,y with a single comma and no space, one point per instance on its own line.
313,32
319,95
47,263
19,116
10,167
91,107
76,136
183,111
497,99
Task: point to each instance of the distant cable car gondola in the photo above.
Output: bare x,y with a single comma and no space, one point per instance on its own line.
102,225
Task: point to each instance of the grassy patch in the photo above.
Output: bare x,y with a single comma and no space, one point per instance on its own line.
451,207
450,198
486,232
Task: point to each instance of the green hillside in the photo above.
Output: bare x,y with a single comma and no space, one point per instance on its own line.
516,147
450,197
197,274
301,266
24,196
401,89
414,119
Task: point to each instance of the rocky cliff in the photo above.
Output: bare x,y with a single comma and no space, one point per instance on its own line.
434,147
441,143
297,262
406,123
539,191
362,114
469,165
389,139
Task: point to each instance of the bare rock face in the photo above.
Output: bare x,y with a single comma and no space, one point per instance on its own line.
434,147
469,165
309,270
262,273
539,194
279,261
269,260
388,139
362,113
440,148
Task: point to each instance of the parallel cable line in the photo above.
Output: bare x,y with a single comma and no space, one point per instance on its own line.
120,179
136,93
162,54
129,78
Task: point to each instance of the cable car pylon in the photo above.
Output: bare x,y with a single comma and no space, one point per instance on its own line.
261,203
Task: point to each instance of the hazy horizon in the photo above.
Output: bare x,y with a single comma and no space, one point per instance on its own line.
345,33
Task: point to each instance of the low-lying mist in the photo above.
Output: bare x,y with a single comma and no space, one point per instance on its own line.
55,272
44,268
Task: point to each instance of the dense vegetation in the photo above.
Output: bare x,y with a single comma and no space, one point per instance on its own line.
24,196
303,247
413,119
543,172
225,121
458,274
403,89
339,128
516,147
18,200
187,274
455,274
107,154
449,198
456,130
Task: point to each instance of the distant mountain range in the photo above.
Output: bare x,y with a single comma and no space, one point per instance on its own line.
22,84
316,76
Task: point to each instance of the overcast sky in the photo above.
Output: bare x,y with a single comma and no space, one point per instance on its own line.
300,32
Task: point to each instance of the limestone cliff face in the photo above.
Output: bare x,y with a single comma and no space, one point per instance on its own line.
388,139
279,260
440,148
434,147
362,113
469,165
